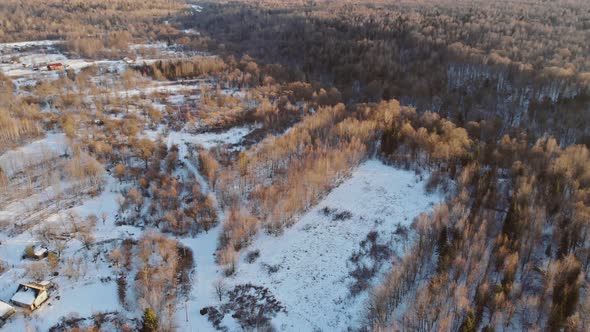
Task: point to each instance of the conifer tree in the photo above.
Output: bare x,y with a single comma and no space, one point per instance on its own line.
149,321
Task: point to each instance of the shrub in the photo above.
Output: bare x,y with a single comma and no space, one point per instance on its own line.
252,256
29,252
344,215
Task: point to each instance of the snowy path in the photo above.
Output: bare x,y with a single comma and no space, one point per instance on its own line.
180,140
207,271
203,247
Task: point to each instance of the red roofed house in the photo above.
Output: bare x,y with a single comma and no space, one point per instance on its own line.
55,66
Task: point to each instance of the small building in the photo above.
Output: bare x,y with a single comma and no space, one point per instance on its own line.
36,252
31,295
6,310
40,253
55,66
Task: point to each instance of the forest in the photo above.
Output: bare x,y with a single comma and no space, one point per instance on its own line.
183,140
521,64
498,91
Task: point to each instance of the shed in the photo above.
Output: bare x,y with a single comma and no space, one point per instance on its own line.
6,310
55,66
36,252
30,295
41,252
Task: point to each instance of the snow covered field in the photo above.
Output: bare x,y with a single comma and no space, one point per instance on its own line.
312,257
35,152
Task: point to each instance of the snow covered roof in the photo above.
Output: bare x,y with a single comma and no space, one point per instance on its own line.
5,309
25,296
40,251
45,283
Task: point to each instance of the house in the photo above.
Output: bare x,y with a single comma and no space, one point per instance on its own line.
6,310
55,66
31,295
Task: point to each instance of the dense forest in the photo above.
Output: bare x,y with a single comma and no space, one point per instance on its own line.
520,63
497,92
37,19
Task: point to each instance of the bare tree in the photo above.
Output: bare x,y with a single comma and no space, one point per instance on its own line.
220,288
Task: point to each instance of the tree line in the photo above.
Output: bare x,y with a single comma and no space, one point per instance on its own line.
509,247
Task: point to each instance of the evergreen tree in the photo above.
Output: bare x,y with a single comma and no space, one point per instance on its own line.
469,324
149,321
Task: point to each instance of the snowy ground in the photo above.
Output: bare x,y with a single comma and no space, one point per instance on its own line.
312,256
312,280
27,44
94,292
28,60
310,261
207,140
48,147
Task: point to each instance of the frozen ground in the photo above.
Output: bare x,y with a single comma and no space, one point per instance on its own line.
312,256
26,44
42,149
310,262
94,292
312,280
207,139
29,59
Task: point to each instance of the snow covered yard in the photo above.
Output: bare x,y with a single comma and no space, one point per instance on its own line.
95,290
308,268
92,287
92,290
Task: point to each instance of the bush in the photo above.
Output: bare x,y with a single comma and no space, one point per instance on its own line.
271,269
326,211
52,261
252,256
344,215
434,181
29,252
252,306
